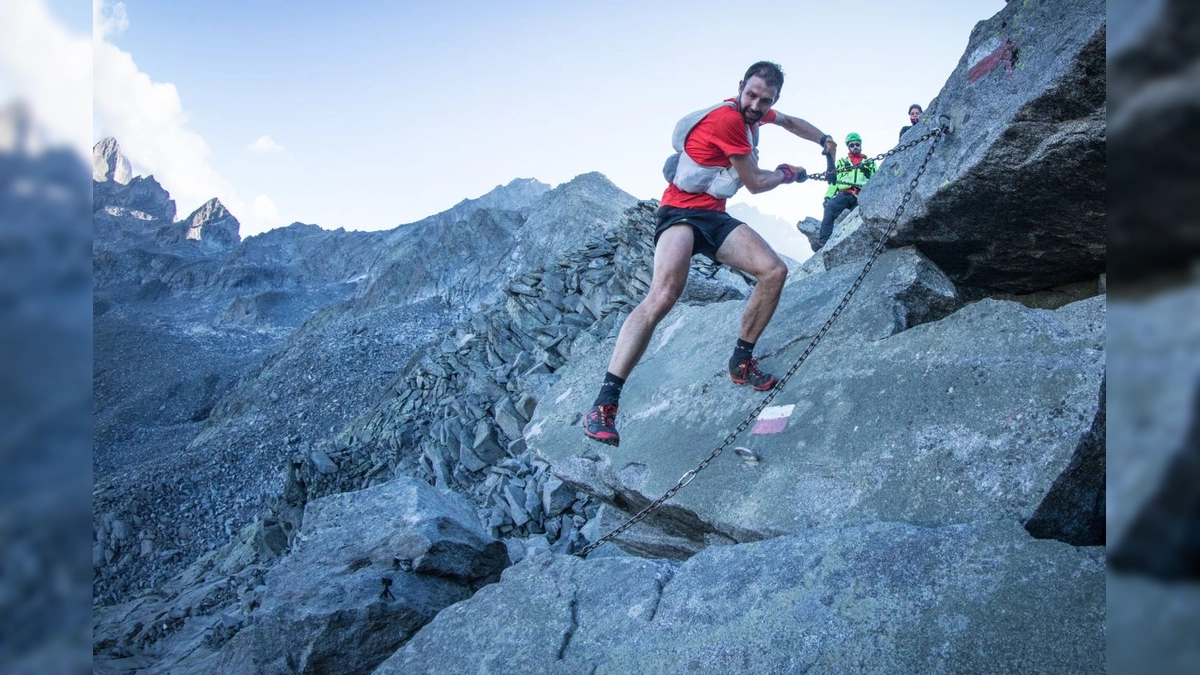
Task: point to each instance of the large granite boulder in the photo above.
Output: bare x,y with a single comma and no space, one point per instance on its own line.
885,598
1027,105
370,568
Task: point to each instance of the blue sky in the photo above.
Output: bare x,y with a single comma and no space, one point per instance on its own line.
377,114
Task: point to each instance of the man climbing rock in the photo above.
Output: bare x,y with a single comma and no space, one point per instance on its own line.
717,156
853,172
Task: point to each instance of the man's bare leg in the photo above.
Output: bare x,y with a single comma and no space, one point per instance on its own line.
745,250
672,259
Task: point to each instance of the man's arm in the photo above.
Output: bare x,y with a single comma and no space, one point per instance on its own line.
806,131
755,179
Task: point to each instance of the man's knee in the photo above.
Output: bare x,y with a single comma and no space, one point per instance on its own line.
774,274
661,299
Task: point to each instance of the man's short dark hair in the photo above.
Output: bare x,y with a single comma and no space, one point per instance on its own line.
770,73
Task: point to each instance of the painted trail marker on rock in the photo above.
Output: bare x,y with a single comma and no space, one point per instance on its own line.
773,419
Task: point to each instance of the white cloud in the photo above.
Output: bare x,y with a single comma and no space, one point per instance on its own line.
263,216
149,122
108,18
264,145
48,68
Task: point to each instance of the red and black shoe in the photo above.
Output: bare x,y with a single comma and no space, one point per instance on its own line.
747,372
601,424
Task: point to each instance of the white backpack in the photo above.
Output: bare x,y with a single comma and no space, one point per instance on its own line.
690,176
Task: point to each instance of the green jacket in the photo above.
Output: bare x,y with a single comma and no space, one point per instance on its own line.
851,176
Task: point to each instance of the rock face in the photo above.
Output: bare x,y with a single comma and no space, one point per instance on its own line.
1153,85
880,598
1032,378
1027,105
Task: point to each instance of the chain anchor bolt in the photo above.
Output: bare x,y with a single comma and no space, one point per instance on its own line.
748,456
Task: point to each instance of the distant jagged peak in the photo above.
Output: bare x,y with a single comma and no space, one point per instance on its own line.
214,224
517,194
209,211
525,184
590,185
108,164
589,179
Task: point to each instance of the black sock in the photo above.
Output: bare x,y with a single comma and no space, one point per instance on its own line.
742,352
610,391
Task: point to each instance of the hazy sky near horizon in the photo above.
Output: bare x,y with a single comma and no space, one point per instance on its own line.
367,115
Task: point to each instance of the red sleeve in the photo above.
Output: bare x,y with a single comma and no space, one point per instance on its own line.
768,118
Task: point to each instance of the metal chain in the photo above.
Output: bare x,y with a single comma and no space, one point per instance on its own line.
826,175
812,345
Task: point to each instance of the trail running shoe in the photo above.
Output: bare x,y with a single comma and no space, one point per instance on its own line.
601,424
747,372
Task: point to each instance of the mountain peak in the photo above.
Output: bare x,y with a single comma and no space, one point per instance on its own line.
213,223
517,194
108,164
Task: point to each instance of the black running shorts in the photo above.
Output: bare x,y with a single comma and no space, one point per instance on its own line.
710,227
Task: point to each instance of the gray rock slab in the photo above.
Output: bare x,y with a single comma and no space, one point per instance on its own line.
882,598
508,418
325,608
971,417
702,289
810,227
485,445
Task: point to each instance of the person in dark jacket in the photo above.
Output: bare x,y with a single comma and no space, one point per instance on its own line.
914,116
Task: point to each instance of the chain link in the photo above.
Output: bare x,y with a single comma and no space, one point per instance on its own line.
812,345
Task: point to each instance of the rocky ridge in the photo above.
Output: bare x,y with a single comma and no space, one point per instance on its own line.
272,327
